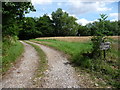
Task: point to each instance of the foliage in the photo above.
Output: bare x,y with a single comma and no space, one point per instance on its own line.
99,37
45,25
11,13
62,24
83,31
110,28
65,25
29,29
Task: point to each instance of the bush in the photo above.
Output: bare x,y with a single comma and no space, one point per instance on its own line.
8,41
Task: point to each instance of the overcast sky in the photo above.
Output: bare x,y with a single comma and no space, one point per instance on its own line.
85,12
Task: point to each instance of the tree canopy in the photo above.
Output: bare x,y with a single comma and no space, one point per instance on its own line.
65,25
12,15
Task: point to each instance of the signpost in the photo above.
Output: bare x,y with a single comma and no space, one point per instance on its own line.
105,46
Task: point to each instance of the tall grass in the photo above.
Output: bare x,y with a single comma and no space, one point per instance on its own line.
11,53
107,69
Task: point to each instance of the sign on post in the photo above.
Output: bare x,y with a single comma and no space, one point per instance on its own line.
105,46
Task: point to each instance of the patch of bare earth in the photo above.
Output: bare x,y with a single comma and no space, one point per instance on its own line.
60,74
21,77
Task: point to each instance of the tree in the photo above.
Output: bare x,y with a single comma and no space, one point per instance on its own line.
45,25
111,28
64,24
13,13
99,36
29,29
84,31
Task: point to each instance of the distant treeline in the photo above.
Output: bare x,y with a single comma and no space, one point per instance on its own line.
59,24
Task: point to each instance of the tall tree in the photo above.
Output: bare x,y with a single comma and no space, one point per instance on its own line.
13,13
29,29
45,25
64,24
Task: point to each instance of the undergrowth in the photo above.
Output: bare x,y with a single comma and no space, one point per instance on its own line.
10,53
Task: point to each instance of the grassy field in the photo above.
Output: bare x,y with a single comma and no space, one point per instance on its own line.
105,69
75,39
10,55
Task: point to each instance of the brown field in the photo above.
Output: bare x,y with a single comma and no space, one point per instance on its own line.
75,39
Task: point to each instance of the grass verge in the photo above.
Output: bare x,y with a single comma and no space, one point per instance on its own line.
106,71
42,63
10,56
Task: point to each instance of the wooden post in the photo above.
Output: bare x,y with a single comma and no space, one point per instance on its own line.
104,54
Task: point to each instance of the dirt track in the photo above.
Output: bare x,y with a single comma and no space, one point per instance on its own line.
21,76
60,74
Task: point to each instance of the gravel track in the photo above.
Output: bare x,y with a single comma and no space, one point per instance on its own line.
60,74
21,76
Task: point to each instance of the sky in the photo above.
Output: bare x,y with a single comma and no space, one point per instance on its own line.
85,12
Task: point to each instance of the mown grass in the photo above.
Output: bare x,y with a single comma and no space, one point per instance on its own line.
10,55
42,60
105,69
68,47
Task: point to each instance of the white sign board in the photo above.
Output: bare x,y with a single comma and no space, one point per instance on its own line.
105,46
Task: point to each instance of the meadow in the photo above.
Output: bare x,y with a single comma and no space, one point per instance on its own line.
106,69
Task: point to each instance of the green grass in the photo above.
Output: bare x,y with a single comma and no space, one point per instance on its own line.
68,47
12,52
107,70
42,60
